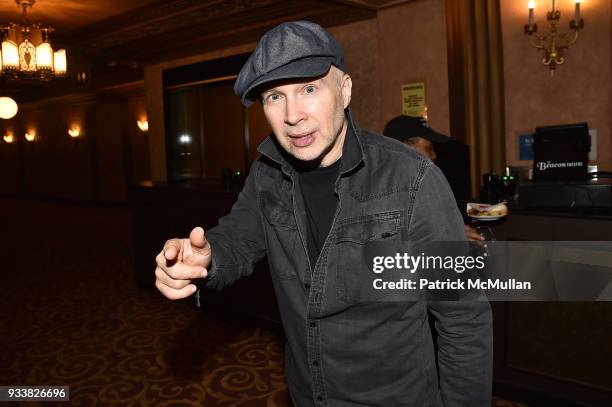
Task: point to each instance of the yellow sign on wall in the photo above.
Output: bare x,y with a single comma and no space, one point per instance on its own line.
413,99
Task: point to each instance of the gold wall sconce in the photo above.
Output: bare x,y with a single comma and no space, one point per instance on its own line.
9,137
143,125
82,78
74,131
30,136
552,44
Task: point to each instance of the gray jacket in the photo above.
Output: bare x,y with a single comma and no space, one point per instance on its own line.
342,351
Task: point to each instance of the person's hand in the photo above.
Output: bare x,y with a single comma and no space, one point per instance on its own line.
180,262
473,235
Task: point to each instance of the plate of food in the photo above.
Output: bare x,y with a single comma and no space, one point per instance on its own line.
486,212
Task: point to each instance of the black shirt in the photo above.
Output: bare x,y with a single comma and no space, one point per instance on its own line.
320,201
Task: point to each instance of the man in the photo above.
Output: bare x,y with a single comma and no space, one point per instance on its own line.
320,190
414,132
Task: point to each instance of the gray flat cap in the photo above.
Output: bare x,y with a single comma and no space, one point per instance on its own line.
293,50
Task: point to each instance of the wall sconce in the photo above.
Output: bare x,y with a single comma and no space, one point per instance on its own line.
8,137
30,136
553,43
143,125
75,133
82,78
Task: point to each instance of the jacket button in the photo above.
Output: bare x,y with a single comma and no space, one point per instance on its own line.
315,363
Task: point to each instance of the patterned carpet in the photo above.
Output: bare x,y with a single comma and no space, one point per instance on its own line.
73,315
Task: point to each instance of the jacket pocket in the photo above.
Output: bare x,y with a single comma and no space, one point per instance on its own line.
353,278
282,235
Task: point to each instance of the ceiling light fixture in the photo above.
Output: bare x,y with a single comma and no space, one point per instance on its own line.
8,107
26,51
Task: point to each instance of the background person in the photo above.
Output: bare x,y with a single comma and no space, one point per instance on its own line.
414,132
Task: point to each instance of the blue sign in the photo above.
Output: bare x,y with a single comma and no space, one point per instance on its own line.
526,147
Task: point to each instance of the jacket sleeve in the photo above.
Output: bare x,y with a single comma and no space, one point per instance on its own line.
238,241
464,328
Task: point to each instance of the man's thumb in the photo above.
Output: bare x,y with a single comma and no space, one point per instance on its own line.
197,238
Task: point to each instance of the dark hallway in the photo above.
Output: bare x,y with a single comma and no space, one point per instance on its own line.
73,315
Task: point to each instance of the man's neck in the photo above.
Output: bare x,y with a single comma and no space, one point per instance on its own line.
335,151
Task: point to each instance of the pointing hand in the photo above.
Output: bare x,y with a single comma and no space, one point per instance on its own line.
180,262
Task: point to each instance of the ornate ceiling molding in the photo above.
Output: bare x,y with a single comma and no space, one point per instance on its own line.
175,26
373,4
184,14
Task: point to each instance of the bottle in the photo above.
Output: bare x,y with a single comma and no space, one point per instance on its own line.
490,191
508,188
237,181
226,176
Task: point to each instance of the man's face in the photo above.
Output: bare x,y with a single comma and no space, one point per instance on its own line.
423,146
307,116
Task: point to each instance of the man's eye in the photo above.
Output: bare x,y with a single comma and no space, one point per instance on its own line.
271,98
310,89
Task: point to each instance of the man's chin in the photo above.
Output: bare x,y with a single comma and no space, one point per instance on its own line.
308,159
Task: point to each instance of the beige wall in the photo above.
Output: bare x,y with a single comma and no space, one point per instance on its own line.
581,89
403,44
412,48
359,42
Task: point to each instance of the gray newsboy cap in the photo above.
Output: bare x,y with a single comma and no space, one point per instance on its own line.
296,49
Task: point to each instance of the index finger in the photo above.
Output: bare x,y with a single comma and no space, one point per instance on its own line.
182,271
171,249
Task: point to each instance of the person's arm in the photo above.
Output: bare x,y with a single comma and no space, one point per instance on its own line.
464,328
238,241
465,349
472,234
220,256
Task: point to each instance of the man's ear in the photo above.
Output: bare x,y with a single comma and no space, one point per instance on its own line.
347,86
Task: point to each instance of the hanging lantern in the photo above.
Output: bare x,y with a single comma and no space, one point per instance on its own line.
27,52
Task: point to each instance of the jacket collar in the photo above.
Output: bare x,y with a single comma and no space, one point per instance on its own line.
352,150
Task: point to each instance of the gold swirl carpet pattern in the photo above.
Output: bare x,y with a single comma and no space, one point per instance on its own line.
73,315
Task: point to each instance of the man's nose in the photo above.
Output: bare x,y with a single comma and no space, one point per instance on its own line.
294,112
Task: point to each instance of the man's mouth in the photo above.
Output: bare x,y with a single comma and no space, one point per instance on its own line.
302,140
